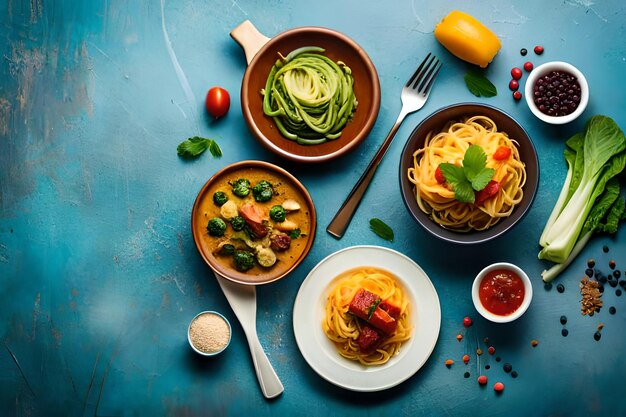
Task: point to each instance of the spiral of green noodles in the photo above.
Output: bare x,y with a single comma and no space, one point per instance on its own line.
310,97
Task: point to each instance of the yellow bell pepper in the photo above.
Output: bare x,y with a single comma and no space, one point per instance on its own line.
467,38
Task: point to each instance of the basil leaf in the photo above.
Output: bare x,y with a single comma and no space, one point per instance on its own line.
381,229
195,146
474,161
452,173
479,85
463,192
482,178
372,308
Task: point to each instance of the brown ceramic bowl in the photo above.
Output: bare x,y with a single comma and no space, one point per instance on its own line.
262,53
285,186
436,122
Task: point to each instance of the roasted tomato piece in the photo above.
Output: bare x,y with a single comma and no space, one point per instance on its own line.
391,309
486,193
254,216
369,339
502,153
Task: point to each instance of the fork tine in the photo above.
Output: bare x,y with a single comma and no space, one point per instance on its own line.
417,71
430,78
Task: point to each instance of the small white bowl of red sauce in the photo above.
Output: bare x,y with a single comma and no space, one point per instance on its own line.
502,292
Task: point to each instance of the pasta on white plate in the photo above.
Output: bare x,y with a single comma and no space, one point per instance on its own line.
437,198
344,328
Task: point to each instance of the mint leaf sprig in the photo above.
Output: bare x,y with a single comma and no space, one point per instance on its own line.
472,176
479,85
195,146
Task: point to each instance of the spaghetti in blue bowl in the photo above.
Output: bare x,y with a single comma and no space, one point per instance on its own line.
468,173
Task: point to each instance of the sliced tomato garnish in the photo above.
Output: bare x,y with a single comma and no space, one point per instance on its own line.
439,176
486,193
502,153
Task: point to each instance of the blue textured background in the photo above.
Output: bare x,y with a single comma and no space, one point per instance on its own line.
98,270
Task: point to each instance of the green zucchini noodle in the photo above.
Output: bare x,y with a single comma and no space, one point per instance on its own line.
310,97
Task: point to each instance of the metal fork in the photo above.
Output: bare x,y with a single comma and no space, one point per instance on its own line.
414,95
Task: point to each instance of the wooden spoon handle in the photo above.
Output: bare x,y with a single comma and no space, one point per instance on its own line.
250,39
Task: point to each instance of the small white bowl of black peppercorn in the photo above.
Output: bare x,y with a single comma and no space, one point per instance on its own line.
557,92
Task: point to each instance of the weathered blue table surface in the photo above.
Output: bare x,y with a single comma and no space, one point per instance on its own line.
98,270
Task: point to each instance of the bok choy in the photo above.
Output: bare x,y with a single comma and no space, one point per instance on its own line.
589,201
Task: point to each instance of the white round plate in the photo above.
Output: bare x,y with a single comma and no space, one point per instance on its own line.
321,354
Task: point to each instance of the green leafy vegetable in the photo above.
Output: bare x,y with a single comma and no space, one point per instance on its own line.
472,176
372,308
589,195
381,229
195,146
479,85
295,233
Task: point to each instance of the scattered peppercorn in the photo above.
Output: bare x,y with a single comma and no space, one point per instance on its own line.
534,342
528,66
513,85
498,387
612,310
516,73
600,278
560,288
449,362
591,263
563,320
597,335
547,286
617,274
466,374
601,287
486,340
618,292
498,359
459,337
622,283
612,264
589,272
605,249
523,51
482,380
479,351
507,367
538,49
491,350
514,374
467,322
466,358
517,95
564,332
612,283
487,366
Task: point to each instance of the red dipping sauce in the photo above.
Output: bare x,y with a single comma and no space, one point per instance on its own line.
501,292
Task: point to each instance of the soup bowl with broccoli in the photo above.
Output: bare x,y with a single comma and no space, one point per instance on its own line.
253,222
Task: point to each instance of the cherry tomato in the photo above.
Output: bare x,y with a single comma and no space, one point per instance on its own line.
217,102
486,193
439,176
528,66
513,85
517,95
502,153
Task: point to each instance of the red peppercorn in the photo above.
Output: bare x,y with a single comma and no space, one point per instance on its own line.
491,350
482,380
467,322
528,66
517,95
513,85
498,387
516,73
539,49
466,358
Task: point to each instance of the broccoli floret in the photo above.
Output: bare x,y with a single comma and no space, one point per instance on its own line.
227,249
263,191
216,227
243,260
241,187
219,198
237,223
278,214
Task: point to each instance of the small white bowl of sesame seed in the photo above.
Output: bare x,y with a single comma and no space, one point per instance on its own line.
209,333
